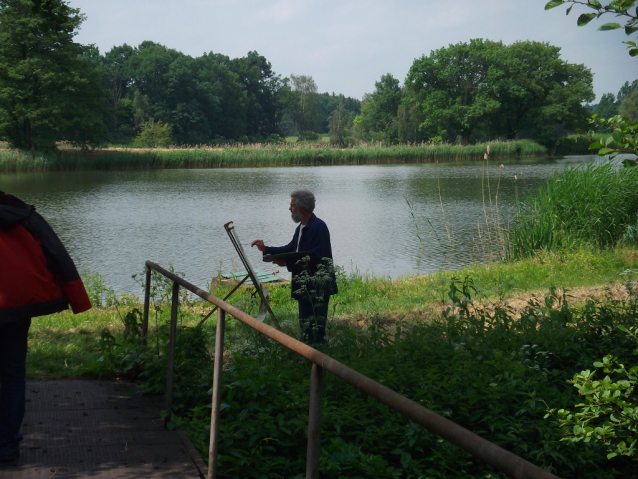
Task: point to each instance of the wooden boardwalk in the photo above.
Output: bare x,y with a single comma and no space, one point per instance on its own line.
85,428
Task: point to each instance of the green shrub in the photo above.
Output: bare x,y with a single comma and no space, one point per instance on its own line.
154,134
610,411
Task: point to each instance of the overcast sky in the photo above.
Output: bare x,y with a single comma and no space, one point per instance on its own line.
346,45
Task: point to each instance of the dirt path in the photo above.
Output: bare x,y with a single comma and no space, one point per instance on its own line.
516,303
574,295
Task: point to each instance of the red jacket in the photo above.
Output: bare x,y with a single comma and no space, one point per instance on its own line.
37,275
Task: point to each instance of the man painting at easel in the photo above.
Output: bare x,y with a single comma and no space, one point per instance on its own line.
311,236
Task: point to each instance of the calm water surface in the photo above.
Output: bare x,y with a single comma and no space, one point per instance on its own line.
113,221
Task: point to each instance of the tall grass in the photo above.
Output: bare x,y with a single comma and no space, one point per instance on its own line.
593,205
260,155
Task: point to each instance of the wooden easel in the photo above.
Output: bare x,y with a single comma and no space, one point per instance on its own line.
263,294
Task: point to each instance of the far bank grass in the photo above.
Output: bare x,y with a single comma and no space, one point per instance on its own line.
62,345
297,154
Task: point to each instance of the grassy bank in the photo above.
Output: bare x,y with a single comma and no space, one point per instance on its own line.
493,370
260,155
62,345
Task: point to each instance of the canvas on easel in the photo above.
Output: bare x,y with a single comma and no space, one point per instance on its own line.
264,306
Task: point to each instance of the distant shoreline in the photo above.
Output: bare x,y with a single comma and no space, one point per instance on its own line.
260,156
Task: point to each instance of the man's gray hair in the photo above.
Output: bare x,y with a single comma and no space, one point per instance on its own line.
304,199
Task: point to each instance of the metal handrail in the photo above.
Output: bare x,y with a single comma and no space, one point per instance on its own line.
479,447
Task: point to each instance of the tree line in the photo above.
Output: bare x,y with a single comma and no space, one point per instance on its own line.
52,89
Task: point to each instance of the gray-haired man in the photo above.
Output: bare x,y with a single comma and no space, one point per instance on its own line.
311,235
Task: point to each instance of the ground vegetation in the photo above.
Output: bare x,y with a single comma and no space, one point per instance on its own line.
498,369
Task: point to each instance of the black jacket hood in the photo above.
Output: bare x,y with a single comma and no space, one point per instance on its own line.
12,210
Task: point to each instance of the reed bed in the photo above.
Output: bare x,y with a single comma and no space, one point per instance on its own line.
593,205
260,155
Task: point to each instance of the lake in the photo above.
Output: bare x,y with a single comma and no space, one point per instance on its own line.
384,220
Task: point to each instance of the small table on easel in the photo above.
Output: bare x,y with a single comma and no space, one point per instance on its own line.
263,294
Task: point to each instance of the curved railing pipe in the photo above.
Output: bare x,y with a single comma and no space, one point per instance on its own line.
503,460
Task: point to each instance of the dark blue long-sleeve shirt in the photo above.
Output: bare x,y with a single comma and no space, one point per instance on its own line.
315,238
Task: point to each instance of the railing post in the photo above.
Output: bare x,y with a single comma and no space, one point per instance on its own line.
171,354
147,300
217,386
314,422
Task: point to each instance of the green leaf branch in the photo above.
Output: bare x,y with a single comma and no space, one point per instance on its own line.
624,138
609,413
622,8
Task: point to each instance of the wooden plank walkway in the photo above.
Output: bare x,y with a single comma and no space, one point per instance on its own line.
88,428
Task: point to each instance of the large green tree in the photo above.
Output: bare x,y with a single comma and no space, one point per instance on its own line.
265,94
626,90
451,90
330,102
607,105
201,98
339,124
537,91
629,106
206,99
303,105
50,88
118,79
379,110
499,90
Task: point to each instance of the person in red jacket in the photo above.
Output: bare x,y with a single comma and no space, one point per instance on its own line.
37,277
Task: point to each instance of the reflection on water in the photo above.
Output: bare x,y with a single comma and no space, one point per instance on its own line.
387,220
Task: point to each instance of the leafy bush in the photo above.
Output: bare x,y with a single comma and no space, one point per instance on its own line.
610,411
154,135
624,138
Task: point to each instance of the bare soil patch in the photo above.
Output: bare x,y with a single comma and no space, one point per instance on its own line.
515,303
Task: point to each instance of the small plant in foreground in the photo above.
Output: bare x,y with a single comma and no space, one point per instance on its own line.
610,412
